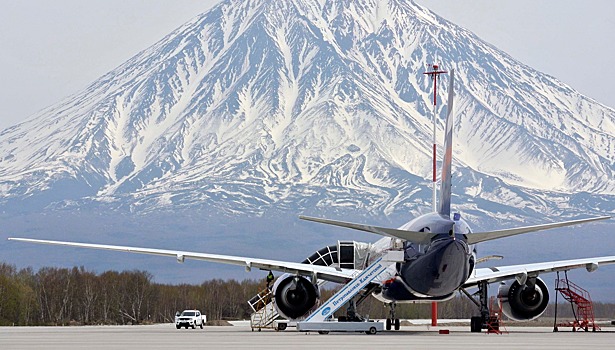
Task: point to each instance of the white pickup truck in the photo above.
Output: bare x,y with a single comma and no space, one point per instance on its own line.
190,318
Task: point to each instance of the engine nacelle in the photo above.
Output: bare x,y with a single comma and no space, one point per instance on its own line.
294,295
523,302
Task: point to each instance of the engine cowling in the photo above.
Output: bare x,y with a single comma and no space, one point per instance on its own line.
294,296
523,302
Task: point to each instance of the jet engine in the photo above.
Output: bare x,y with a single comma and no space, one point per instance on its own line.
294,295
523,302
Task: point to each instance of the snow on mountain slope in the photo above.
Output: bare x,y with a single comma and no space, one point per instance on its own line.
295,104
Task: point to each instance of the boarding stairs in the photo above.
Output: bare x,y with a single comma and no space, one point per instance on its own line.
582,306
320,319
264,312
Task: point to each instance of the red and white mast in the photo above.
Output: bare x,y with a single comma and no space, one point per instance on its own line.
435,75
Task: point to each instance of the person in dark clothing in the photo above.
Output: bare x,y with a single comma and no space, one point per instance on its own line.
270,278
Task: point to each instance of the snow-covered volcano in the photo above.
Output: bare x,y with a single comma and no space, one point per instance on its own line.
313,104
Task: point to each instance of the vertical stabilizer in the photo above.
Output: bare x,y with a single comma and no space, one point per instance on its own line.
445,189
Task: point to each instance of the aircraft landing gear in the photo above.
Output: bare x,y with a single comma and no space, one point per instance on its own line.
351,312
477,323
392,321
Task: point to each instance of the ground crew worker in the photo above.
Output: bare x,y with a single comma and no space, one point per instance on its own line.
269,279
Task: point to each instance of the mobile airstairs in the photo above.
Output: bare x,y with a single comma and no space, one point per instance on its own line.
582,306
265,312
265,315
321,320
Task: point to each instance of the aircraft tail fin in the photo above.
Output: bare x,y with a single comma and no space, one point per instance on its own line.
445,189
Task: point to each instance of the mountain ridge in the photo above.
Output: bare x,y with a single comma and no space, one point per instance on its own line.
326,100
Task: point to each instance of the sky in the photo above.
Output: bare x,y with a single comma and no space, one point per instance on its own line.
52,49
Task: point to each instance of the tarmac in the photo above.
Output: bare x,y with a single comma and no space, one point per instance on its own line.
165,336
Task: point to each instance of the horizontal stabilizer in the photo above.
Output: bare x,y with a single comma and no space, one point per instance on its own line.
474,238
412,236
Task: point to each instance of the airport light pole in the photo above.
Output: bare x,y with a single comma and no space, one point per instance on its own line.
435,75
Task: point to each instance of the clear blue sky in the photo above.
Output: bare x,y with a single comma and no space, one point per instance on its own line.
51,49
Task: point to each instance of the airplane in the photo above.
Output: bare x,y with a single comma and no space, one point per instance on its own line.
439,260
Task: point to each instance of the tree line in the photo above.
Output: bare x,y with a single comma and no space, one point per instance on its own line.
76,296
62,296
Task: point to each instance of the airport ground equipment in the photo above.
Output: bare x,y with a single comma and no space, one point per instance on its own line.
321,319
581,303
265,312
494,323
324,327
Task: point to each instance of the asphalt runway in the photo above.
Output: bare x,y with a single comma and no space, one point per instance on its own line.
165,336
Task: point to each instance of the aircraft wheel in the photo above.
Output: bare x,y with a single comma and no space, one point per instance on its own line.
476,323
388,324
397,324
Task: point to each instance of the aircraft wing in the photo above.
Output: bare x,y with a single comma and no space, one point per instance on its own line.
328,273
497,274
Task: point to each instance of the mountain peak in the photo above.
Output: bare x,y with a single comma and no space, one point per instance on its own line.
259,103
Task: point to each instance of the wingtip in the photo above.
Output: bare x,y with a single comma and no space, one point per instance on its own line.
598,218
17,239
